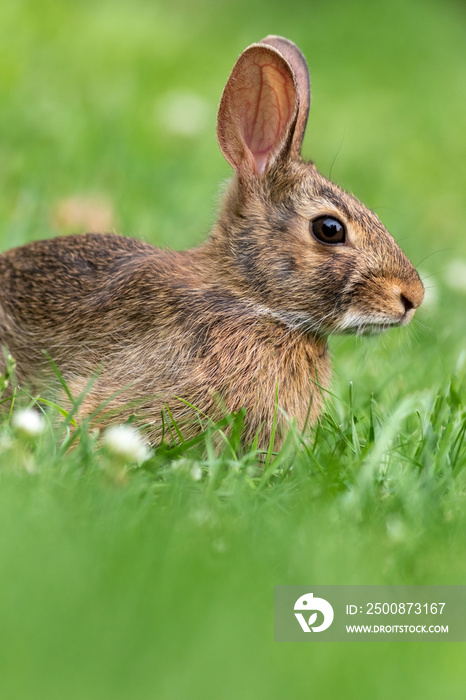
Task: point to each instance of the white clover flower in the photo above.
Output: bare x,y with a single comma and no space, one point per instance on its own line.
28,422
125,442
187,467
178,464
196,472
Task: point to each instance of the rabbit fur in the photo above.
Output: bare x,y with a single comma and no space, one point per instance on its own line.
241,321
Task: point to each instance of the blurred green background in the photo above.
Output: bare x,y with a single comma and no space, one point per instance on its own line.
107,120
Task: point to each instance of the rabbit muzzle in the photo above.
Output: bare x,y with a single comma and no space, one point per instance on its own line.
382,304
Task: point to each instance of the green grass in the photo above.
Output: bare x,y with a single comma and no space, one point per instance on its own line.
138,582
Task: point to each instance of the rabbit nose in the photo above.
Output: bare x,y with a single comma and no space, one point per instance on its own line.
412,298
407,303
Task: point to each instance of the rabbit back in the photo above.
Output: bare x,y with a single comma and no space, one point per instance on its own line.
156,329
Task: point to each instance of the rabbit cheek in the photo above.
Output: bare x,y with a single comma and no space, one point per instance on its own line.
329,286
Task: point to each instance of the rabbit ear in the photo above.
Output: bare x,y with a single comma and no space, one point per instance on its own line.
258,110
301,72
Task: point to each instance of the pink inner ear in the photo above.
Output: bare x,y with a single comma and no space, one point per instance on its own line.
269,102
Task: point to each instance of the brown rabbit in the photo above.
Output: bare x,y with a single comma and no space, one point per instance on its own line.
241,321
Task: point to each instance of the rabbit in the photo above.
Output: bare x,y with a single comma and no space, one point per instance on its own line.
241,321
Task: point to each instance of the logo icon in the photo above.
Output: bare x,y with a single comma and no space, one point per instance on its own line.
308,603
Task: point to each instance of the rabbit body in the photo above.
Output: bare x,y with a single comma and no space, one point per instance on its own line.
241,321
158,324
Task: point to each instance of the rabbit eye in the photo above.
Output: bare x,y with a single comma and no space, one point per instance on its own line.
328,230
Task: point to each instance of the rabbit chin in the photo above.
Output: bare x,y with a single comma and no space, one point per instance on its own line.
358,323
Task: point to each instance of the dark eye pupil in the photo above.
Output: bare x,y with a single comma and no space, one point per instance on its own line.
331,228
328,230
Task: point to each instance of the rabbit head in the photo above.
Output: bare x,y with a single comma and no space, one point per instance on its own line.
295,242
